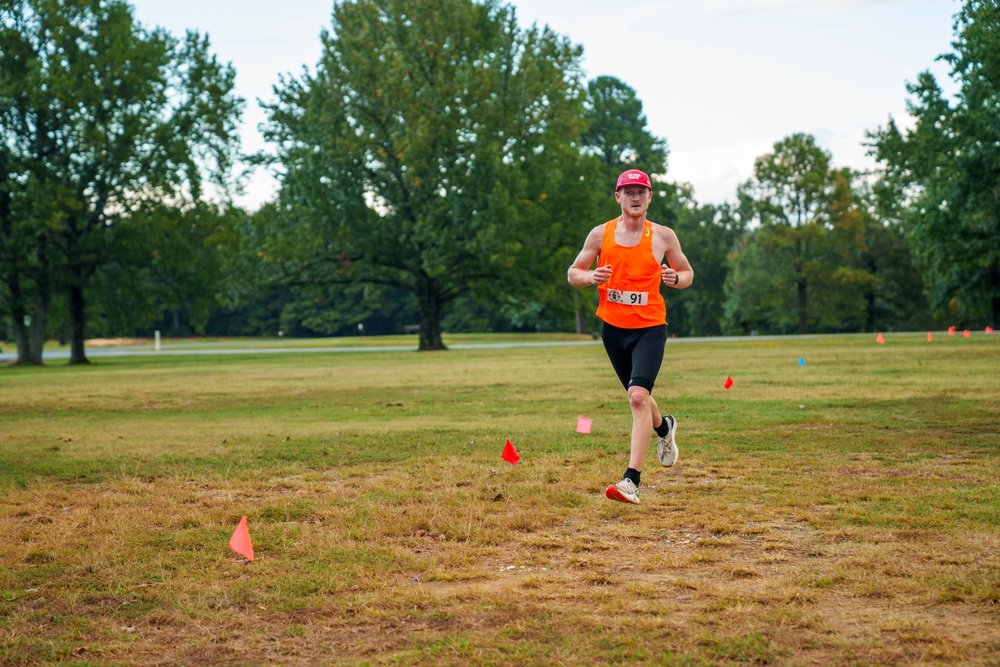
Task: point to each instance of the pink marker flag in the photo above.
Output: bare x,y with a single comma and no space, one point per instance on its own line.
729,382
510,454
583,424
966,333
880,339
240,541
930,337
951,331
989,329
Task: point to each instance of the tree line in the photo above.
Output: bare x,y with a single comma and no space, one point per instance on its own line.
439,169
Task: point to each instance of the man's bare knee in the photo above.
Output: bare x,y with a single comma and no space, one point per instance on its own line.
638,398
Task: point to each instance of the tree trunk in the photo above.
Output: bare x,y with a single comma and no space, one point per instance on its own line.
870,298
38,325
77,355
17,314
40,321
429,306
995,300
869,311
12,275
803,308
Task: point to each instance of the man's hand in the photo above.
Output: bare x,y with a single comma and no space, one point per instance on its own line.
669,276
601,275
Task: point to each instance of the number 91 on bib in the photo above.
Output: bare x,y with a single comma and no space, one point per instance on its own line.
628,298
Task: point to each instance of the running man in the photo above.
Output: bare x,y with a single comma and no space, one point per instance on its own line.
629,251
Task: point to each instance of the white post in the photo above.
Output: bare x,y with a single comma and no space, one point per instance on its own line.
156,336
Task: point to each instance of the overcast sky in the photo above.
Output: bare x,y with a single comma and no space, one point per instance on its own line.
720,80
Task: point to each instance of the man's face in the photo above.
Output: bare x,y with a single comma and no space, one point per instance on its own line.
634,199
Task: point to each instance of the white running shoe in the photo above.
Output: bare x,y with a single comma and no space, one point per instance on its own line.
624,491
666,447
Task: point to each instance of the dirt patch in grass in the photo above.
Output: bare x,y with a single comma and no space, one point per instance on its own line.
138,571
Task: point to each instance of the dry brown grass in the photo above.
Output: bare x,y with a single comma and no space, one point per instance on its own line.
861,528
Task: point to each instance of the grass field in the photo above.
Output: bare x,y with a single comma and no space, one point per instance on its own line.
845,512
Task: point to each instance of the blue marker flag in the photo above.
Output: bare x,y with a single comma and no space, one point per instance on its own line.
802,361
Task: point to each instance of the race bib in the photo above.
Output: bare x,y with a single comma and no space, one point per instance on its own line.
628,298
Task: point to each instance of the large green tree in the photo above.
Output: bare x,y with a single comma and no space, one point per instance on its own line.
428,152
794,269
616,131
264,295
946,167
101,116
164,270
895,298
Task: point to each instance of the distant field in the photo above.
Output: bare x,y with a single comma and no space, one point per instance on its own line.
844,512
233,343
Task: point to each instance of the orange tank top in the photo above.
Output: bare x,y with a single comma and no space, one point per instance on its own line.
631,299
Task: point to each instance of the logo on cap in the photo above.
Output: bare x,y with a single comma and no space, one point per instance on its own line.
633,177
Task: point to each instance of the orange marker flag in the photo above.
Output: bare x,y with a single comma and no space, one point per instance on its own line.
880,339
510,454
966,334
989,329
930,337
951,331
240,541
729,382
583,425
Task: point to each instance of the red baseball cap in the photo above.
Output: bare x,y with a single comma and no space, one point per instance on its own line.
633,177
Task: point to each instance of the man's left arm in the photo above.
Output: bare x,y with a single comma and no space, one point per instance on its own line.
677,272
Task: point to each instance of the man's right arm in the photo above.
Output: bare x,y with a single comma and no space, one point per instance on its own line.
579,274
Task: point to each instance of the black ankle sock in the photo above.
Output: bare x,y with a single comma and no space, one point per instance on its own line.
632,475
663,428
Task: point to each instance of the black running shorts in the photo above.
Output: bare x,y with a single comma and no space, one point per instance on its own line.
635,354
